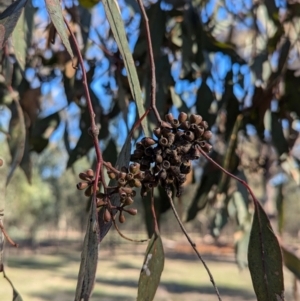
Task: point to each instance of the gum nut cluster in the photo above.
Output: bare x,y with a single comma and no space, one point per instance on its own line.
166,160
87,183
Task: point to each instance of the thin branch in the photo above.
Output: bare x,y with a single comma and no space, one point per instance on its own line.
151,61
94,129
255,200
193,244
155,224
125,237
7,236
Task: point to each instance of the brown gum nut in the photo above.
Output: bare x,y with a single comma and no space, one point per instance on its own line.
163,141
189,136
107,216
182,117
207,135
169,117
185,125
157,132
134,168
147,141
122,218
175,123
166,164
132,211
82,185
194,118
90,173
128,201
83,176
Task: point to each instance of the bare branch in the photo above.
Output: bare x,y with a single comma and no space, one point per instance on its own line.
151,61
193,244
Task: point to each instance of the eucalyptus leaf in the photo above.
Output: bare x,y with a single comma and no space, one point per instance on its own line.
152,269
55,12
265,259
112,11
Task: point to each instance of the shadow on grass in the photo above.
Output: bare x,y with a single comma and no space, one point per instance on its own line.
38,263
179,288
70,295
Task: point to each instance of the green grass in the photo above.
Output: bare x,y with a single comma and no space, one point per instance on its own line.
53,276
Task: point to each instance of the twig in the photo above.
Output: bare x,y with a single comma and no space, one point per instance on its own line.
125,237
193,244
93,130
151,61
255,200
156,230
7,236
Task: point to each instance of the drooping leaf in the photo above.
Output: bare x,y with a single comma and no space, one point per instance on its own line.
110,153
265,259
123,160
278,138
55,12
152,269
42,130
117,26
291,261
21,37
89,258
204,100
9,18
16,295
17,139
85,142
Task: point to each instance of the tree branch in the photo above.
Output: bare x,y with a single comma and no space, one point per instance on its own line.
151,62
169,193
94,129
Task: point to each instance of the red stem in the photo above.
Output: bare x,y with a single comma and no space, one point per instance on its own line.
94,129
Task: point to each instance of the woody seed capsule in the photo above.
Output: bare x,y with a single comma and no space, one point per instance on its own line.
82,185
157,132
185,125
90,173
134,168
132,211
107,216
166,164
147,141
169,117
175,123
207,135
182,117
195,118
83,176
163,141
122,218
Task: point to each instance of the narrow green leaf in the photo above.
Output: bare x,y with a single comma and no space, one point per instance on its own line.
152,268
113,14
16,295
89,258
265,259
55,12
123,160
9,18
21,36
291,261
17,138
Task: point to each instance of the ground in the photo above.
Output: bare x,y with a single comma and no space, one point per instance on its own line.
50,273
